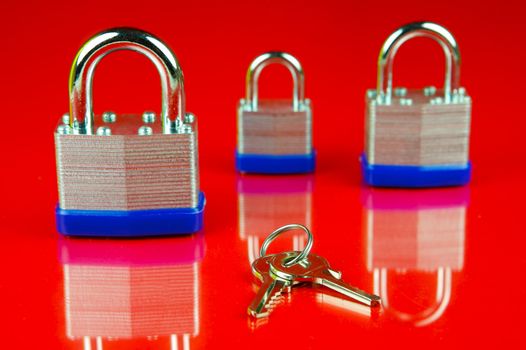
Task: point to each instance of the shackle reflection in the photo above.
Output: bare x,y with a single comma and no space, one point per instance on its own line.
413,235
132,290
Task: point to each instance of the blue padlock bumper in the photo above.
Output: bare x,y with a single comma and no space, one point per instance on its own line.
131,223
276,164
412,176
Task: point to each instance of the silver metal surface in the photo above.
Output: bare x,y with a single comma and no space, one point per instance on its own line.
424,131
103,131
400,91
127,171
109,117
64,130
145,130
405,33
148,117
81,76
316,269
302,255
274,126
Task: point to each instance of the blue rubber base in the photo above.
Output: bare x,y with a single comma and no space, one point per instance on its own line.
382,175
132,223
276,164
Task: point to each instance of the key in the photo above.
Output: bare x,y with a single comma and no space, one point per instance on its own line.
316,269
270,289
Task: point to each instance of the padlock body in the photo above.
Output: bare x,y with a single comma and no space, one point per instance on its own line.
274,138
423,143
128,184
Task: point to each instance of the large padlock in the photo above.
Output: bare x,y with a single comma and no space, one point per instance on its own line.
417,138
140,292
419,236
274,136
123,178
265,203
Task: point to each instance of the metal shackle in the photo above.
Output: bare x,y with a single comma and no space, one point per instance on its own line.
289,61
405,33
83,68
428,315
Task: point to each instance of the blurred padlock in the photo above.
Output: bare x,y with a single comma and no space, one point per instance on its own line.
275,136
417,138
121,178
416,234
264,204
132,291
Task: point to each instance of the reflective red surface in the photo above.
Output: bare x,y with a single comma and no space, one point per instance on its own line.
448,263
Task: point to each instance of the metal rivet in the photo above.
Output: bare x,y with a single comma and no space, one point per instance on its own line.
400,91
189,118
145,130
103,131
148,117
109,117
64,130
430,90
176,126
437,101
406,101
65,118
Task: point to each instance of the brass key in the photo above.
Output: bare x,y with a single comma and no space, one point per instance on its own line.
280,272
316,269
270,288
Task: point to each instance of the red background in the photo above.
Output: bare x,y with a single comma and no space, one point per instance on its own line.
337,42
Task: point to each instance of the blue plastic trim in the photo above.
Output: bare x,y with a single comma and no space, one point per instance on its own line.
412,176
276,164
130,223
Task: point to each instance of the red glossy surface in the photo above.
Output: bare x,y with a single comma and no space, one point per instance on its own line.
452,270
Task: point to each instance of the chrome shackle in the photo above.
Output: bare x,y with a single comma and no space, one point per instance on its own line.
83,68
405,33
289,61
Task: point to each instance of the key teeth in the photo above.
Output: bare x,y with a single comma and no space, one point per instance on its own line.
275,300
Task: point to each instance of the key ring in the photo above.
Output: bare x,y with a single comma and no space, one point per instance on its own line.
304,253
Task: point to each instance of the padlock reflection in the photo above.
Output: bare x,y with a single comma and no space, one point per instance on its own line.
415,245
266,203
132,291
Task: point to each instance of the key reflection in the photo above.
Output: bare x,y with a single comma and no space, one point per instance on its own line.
268,202
124,292
345,304
415,243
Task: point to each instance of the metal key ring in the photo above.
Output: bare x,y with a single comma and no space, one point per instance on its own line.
304,253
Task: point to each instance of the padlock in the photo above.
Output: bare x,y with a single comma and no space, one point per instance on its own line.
132,291
274,136
266,203
417,138
123,178
417,235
